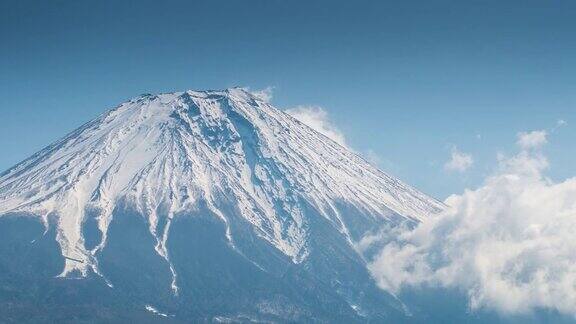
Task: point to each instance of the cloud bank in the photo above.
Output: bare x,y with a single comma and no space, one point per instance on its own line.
509,244
317,118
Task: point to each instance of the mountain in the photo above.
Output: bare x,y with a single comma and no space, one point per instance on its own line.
197,206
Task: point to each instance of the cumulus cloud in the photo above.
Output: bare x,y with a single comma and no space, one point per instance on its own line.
509,243
534,139
317,118
459,161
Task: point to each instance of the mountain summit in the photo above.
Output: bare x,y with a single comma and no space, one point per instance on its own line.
164,193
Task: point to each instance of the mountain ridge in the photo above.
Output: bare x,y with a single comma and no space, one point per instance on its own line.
228,154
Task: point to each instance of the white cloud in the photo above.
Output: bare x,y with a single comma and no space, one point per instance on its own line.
459,161
265,94
534,139
317,118
559,124
509,243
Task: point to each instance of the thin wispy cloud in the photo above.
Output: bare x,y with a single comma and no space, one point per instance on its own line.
559,124
318,119
265,94
372,157
459,161
314,117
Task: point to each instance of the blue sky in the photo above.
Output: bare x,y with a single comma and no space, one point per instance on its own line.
406,81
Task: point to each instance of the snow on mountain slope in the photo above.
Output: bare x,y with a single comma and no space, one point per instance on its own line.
175,151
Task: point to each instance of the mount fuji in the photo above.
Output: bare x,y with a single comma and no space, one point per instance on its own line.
202,206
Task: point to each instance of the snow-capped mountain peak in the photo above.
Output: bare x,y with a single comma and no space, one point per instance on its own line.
171,153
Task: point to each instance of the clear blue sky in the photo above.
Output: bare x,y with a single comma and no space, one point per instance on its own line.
404,79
